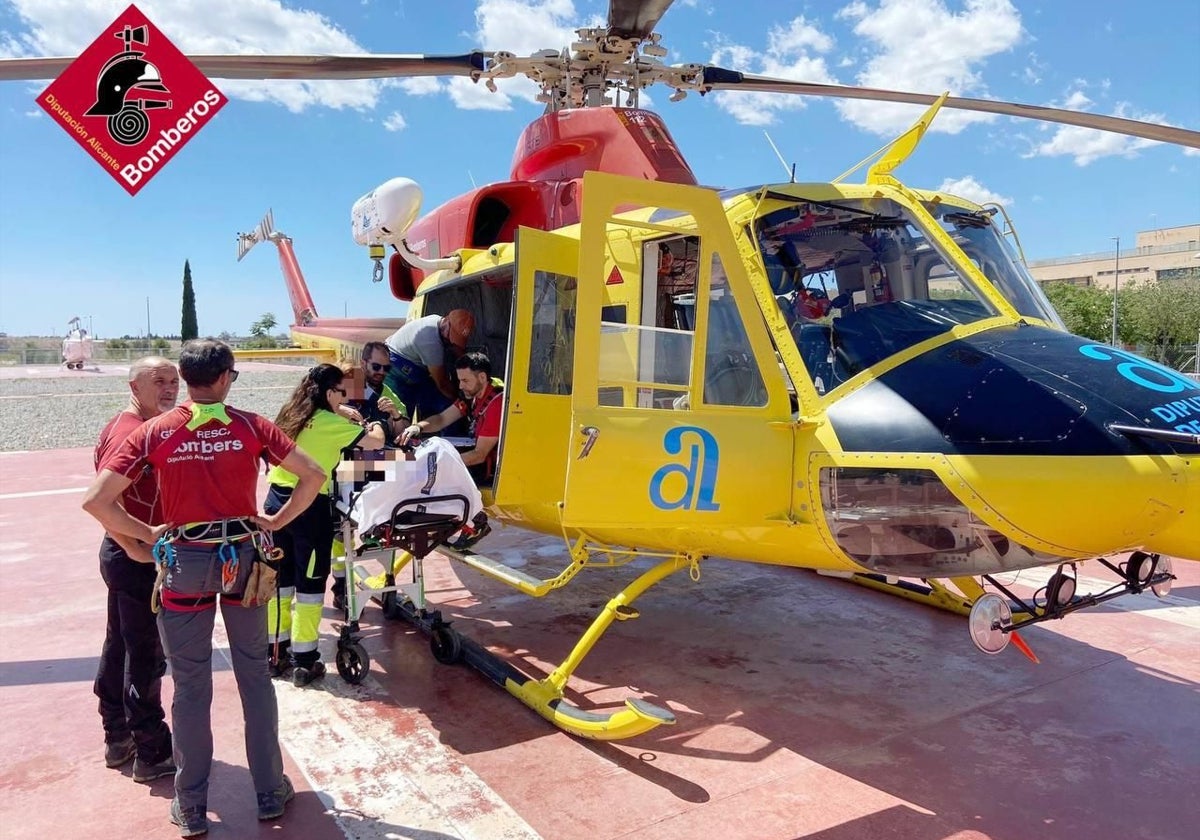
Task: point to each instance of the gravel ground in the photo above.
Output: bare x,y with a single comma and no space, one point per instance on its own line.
68,411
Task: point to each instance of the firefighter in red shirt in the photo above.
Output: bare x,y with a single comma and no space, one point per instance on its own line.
129,679
205,457
483,404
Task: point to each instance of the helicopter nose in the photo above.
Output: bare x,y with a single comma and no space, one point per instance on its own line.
1027,423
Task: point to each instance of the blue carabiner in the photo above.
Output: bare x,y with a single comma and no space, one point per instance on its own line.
163,552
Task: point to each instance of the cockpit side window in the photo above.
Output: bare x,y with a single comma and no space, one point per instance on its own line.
858,281
979,239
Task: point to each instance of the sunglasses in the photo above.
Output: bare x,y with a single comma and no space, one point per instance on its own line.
375,366
233,375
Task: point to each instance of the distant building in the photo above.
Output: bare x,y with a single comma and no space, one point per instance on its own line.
1164,254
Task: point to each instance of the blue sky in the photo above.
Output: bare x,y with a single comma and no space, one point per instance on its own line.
72,242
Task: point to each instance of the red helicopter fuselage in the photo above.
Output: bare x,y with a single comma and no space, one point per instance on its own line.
544,189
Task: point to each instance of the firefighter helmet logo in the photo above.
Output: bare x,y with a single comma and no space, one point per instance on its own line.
115,100
125,73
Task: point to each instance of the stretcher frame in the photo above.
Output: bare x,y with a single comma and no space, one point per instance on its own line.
409,529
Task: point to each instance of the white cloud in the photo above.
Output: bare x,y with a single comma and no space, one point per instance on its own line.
474,96
394,121
521,27
66,27
967,187
1032,72
1086,145
421,85
922,46
794,51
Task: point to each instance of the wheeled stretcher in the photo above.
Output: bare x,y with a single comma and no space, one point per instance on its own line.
387,503
419,505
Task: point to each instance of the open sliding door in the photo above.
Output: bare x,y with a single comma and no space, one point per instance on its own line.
537,421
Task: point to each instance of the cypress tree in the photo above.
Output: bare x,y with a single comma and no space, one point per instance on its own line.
188,329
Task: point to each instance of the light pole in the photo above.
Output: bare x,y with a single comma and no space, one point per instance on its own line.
1116,286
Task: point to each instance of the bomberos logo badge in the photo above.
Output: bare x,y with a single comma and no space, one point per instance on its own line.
132,100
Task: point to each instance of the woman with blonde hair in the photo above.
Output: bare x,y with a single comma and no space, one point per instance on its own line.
294,616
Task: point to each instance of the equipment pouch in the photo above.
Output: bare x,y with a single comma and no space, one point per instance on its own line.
260,587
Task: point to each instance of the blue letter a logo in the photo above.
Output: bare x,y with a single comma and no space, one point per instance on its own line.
699,474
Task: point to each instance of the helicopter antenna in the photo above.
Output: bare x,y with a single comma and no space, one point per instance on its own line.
790,170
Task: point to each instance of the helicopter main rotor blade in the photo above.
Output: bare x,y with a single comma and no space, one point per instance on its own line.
308,67
635,18
718,78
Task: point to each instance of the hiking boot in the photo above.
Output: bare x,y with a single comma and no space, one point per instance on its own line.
303,675
281,670
281,667
271,805
192,821
144,771
119,752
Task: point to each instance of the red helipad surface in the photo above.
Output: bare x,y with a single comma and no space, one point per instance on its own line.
807,707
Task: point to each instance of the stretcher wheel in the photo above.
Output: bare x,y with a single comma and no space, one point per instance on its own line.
390,605
446,645
353,663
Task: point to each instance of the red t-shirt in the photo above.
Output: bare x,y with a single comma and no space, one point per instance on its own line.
140,500
206,473
484,412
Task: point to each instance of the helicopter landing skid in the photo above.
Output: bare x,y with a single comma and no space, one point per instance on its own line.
545,696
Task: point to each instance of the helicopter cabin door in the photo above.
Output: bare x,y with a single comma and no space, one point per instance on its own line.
681,413
529,486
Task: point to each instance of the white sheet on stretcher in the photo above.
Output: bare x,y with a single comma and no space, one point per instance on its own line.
438,470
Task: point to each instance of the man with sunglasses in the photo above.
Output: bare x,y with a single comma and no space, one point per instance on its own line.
379,403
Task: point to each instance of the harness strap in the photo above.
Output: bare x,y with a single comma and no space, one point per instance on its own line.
176,602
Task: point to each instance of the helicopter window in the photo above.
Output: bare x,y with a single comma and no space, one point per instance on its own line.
731,376
552,350
649,365
491,305
858,281
905,521
983,243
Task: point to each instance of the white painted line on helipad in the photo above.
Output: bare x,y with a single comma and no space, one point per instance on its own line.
33,494
384,776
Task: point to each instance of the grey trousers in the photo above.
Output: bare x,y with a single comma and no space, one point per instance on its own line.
186,623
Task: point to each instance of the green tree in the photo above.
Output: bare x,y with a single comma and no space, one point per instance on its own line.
1161,318
1086,310
188,328
260,332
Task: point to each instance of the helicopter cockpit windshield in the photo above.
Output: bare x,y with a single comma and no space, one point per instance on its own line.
858,280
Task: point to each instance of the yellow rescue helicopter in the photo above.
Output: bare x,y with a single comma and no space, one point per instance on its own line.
861,379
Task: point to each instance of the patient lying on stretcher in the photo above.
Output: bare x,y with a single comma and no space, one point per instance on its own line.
370,491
